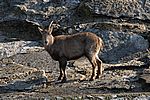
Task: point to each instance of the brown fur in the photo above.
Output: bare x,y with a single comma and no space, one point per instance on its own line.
63,48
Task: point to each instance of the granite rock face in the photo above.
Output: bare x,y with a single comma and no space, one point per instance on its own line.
116,8
65,12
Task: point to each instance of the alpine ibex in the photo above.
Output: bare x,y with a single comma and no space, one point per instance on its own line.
63,48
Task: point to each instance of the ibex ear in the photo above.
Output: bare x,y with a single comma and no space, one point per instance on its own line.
41,30
50,28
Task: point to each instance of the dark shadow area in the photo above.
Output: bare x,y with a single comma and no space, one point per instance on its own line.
15,30
145,86
22,86
59,82
104,90
130,67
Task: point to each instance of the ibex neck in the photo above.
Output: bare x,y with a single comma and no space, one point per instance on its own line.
51,40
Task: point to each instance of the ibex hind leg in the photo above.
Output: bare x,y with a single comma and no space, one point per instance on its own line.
93,63
100,68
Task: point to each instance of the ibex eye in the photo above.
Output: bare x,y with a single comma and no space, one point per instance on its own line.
45,42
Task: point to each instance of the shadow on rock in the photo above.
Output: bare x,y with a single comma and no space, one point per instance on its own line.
23,85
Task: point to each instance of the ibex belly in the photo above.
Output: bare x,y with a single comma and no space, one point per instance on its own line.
73,50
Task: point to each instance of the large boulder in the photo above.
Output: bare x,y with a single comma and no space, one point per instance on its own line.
120,44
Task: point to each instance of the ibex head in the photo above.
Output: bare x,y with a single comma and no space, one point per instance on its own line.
47,37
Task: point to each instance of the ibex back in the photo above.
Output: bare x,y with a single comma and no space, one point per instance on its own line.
63,48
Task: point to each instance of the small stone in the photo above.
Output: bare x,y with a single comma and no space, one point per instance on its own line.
46,0
100,97
89,96
59,98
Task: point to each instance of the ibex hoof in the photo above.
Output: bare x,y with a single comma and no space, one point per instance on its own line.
97,77
91,79
59,78
63,80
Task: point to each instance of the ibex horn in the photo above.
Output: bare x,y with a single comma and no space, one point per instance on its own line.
50,24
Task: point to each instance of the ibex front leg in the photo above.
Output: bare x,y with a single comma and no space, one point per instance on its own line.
59,78
62,66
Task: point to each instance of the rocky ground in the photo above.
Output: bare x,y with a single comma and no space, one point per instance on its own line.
28,72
